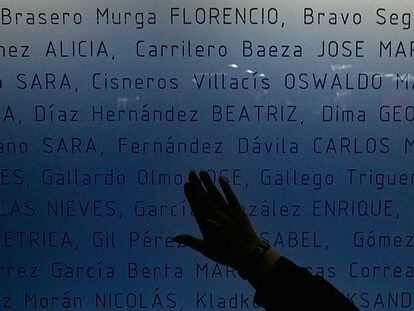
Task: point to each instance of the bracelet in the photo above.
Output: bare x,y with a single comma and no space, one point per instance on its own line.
247,268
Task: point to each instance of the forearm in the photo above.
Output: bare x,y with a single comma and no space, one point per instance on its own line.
286,286
269,259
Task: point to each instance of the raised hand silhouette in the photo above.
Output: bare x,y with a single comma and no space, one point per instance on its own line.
229,238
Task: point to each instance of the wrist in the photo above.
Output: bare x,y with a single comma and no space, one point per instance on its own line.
269,259
260,259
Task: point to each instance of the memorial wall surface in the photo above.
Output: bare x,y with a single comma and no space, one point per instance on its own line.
305,107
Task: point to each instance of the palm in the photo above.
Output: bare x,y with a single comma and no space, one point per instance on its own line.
227,233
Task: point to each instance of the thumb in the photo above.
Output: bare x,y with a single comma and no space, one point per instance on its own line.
192,242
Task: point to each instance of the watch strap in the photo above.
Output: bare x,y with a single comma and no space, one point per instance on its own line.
248,267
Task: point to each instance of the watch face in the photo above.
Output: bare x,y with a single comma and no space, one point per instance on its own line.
260,250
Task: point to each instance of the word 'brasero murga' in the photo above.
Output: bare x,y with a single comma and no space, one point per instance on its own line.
177,15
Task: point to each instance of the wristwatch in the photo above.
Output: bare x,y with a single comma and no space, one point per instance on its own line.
248,267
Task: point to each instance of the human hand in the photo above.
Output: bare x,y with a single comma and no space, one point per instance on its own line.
228,235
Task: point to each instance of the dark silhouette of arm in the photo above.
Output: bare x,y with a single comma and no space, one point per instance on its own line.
286,286
229,239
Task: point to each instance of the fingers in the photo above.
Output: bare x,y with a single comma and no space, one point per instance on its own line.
212,189
198,197
200,200
192,201
202,209
231,197
196,185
